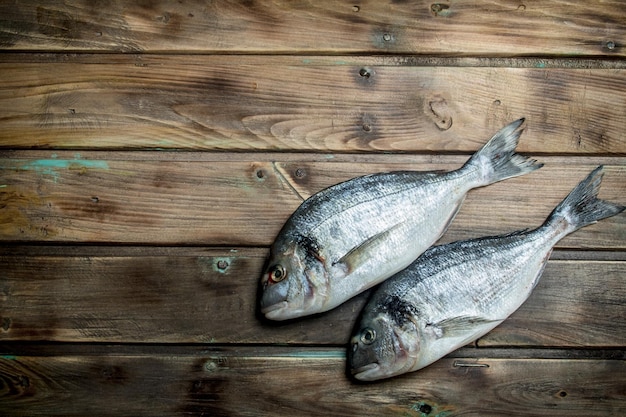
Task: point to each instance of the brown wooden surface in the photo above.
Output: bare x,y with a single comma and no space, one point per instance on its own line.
150,152
69,197
247,104
483,27
209,296
301,382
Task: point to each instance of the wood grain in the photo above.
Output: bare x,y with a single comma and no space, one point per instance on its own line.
509,28
69,197
301,382
197,295
150,152
243,104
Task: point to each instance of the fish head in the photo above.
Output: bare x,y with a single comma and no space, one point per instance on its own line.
381,347
294,284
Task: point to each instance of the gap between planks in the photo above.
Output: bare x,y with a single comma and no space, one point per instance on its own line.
274,59
458,158
10,349
119,250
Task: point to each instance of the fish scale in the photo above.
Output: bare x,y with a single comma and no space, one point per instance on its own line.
459,291
354,235
402,204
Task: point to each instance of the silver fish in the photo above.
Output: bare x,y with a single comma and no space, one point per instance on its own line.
353,235
455,293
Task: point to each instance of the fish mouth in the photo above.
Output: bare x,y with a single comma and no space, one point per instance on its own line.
271,311
367,372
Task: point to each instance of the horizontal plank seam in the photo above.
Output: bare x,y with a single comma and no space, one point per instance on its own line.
187,155
60,249
399,58
264,350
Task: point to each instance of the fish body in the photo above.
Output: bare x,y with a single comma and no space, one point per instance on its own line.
353,235
455,293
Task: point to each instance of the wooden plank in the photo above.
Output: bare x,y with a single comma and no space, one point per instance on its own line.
69,197
304,383
510,28
193,295
250,104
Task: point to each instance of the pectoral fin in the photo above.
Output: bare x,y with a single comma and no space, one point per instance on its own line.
359,255
456,326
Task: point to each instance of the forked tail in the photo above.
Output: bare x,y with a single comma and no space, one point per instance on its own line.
497,159
582,206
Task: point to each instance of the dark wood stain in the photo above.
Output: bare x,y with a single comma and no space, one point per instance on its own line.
207,395
57,24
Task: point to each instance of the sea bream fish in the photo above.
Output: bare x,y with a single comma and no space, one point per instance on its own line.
353,235
457,292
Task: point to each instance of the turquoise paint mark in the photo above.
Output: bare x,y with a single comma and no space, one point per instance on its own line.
64,163
307,61
51,166
540,65
9,357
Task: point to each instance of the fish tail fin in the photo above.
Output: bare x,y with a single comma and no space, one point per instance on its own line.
497,159
582,206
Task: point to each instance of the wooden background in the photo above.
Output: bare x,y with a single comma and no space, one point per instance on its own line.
150,152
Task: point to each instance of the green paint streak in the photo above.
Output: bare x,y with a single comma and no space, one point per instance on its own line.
51,166
45,164
3,186
540,65
9,357
307,61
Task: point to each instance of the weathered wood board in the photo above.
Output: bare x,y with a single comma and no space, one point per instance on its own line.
507,28
209,296
306,383
70,197
151,151
362,105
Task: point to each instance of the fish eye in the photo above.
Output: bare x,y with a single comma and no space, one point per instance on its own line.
277,273
368,336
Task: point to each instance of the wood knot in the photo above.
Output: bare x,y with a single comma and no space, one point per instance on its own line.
610,45
439,112
6,324
300,173
440,9
365,72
